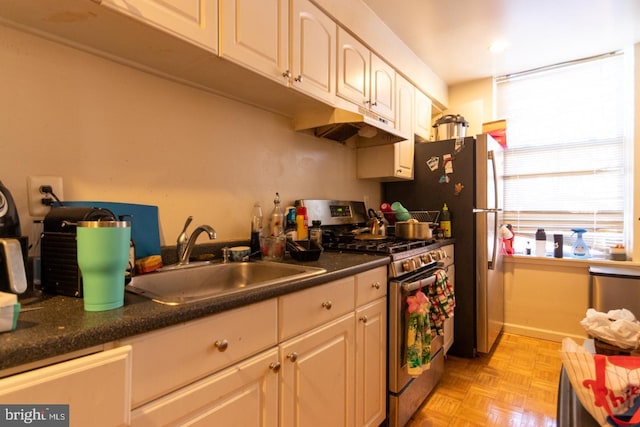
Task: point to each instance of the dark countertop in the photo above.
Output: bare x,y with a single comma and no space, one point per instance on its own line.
62,326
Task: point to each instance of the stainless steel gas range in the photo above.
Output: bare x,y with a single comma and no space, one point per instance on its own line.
413,266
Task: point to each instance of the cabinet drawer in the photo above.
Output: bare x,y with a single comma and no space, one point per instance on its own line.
371,285
304,310
173,357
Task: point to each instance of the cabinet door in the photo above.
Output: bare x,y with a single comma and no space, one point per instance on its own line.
313,56
244,395
422,127
354,64
317,373
96,388
405,104
383,88
256,36
195,21
371,363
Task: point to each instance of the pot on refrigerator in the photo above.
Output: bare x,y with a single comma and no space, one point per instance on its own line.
451,126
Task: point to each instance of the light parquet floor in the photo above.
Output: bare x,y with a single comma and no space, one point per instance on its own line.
515,385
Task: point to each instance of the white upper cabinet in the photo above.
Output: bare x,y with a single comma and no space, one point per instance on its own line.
364,78
192,20
422,117
383,89
392,162
255,34
313,55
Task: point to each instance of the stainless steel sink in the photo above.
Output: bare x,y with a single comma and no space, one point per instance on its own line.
188,285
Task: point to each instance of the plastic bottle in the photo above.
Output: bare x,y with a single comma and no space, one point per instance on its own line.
291,228
580,248
277,218
541,242
302,222
256,228
445,221
528,248
315,232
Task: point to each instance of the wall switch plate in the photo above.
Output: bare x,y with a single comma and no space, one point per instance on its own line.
38,209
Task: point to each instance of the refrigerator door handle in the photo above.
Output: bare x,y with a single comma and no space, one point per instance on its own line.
494,255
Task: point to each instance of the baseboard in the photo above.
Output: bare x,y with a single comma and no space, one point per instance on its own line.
544,334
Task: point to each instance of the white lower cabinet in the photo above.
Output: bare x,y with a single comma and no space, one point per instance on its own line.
371,363
318,376
245,395
96,388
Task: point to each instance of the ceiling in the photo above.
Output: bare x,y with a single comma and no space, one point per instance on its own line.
452,36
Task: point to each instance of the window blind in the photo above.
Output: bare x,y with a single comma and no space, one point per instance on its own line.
565,162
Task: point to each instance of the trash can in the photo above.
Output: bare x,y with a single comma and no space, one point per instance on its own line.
613,288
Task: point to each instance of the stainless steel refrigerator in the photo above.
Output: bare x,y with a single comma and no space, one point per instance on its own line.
466,174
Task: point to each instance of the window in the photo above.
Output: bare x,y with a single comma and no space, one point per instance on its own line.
565,161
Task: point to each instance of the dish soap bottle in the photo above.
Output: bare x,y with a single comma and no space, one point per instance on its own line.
277,218
580,248
256,229
445,221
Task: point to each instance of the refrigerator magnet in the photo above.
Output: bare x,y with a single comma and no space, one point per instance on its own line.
458,145
444,179
457,189
447,161
433,163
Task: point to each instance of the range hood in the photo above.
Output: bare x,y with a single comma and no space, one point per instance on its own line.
339,125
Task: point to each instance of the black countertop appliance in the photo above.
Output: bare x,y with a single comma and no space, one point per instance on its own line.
59,250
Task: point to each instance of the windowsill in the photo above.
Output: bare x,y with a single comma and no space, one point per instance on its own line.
566,262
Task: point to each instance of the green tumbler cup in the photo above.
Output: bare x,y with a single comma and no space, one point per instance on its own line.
103,257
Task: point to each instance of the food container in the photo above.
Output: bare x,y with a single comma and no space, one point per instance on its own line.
451,126
304,250
413,230
272,248
240,253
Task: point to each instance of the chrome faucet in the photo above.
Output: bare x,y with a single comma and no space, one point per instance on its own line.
183,256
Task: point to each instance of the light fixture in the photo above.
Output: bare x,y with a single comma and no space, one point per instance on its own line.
498,46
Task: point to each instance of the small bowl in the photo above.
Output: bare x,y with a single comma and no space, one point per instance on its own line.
240,253
311,250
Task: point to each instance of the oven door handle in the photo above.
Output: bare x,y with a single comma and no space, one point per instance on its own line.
419,283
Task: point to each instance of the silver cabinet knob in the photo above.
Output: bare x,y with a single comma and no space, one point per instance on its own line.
293,356
221,345
364,319
327,305
287,74
274,366
298,79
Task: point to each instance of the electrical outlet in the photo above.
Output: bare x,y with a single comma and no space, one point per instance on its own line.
38,209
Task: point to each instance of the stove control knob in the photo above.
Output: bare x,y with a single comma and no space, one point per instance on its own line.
406,266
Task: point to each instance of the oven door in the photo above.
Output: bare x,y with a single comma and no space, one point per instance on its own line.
399,291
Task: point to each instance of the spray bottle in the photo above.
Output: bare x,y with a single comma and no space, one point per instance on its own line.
580,248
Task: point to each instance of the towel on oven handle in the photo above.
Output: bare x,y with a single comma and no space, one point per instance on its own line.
418,334
442,299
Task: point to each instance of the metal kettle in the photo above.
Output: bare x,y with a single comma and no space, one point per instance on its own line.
12,256
376,224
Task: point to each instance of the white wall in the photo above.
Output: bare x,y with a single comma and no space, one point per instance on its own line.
117,134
